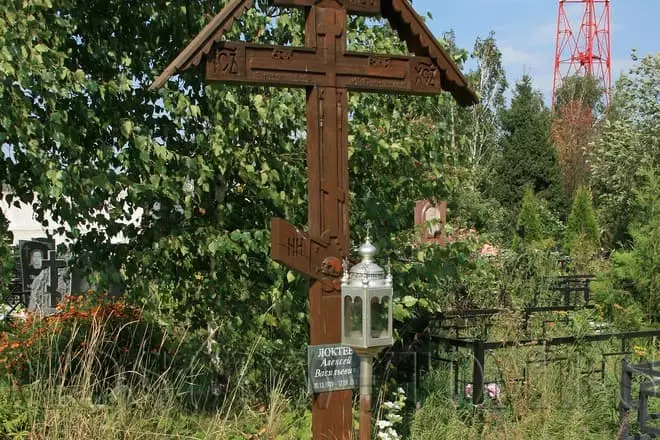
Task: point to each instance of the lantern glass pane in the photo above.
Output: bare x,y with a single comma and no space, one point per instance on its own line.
353,317
379,317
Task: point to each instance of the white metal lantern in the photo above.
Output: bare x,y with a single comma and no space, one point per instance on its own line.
366,319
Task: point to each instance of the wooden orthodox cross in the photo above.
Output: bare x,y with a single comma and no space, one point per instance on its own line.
327,70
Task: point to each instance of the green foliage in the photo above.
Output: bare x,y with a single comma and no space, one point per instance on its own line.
528,157
584,89
191,160
528,226
552,226
13,413
633,277
582,235
6,258
468,207
629,142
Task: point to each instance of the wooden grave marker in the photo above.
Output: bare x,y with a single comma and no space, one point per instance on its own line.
327,70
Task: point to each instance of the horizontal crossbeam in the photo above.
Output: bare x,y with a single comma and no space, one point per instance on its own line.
294,248
304,67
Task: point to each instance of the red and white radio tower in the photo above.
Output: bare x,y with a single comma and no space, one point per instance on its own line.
583,50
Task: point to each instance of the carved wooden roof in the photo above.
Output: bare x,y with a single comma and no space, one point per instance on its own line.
202,43
401,15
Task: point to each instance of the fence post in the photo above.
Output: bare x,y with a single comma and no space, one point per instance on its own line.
625,396
478,368
415,378
456,367
587,292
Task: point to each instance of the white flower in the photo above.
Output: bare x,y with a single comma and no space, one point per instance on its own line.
386,429
382,424
389,405
394,418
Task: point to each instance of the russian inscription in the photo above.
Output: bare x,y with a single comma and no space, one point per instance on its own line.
295,246
382,62
225,61
427,75
282,54
332,368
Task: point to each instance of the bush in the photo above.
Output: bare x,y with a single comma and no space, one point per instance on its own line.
581,221
582,235
94,342
631,283
6,260
528,227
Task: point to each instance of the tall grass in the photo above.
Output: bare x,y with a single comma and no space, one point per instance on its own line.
553,400
100,378
104,378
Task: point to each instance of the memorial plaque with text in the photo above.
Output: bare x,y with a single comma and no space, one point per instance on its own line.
332,367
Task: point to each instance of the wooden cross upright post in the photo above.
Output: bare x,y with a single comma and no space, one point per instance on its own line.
327,70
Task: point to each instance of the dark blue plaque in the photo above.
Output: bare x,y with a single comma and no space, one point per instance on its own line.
332,368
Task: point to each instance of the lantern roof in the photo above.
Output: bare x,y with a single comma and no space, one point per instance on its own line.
367,267
366,273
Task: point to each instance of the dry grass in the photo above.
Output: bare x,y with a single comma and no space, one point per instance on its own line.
556,401
67,399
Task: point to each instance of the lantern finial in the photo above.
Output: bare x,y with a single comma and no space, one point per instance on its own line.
367,251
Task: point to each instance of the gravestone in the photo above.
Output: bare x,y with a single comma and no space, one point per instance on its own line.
328,71
32,254
431,218
49,287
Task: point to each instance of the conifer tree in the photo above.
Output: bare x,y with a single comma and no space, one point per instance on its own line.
582,224
528,227
528,157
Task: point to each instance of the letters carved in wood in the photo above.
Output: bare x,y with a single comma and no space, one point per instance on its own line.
225,62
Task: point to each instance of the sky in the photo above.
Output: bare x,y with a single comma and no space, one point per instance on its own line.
525,31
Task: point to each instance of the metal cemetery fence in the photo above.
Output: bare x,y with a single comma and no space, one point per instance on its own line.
460,340
648,419
561,294
478,350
